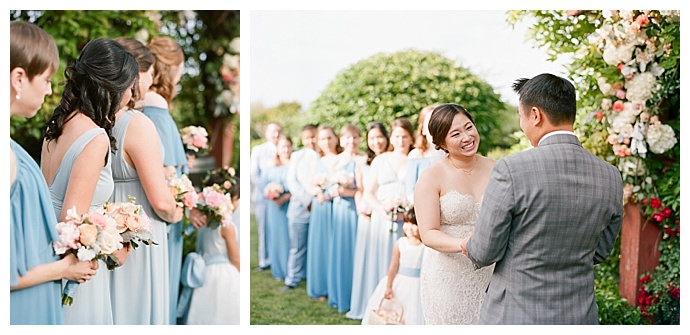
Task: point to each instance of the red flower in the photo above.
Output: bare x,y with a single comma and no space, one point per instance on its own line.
674,293
670,232
618,106
655,203
620,67
658,217
645,279
600,115
644,201
666,212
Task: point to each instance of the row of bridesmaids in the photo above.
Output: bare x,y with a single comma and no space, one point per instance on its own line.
333,213
97,148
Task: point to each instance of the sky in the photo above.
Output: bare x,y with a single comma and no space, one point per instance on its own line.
295,54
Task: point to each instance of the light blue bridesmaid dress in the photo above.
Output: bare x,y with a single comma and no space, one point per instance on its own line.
144,277
91,299
173,156
278,237
32,232
342,247
318,240
363,281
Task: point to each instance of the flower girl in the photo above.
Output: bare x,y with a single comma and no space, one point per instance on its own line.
402,281
216,289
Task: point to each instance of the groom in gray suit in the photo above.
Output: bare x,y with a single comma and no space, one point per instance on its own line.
548,215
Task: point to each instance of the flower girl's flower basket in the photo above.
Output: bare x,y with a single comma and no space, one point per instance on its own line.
389,312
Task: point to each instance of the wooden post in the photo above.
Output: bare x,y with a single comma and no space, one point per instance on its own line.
640,240
222,141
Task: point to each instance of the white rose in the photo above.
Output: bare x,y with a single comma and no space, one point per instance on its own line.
86,254
109,241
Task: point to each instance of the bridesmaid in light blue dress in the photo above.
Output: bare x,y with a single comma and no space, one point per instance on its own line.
342,246
35,269
167,73
424,153
278,237
146,270
76,155
387,184
320,221
363,278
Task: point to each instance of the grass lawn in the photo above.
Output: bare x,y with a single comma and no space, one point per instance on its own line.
271,306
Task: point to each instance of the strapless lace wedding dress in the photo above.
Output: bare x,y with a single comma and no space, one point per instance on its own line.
452,291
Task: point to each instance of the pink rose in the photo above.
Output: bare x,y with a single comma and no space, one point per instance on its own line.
189,199
642,20
199,141
97,219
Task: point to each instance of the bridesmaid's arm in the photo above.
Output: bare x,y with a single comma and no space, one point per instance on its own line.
68,268
86,171
144,151
372,187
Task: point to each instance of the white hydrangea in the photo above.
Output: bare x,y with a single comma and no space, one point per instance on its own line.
640,87
616,54
660,138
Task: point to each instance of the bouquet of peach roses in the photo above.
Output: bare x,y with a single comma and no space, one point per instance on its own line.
89,236
131,222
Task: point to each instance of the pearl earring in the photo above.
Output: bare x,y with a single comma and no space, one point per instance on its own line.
18,96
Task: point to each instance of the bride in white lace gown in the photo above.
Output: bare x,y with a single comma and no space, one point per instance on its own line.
452,291
447,200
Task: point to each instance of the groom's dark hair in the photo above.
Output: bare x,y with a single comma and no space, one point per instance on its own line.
554,95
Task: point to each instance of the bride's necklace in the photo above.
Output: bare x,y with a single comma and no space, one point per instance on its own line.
465,171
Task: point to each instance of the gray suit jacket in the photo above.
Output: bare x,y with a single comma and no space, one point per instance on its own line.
548,215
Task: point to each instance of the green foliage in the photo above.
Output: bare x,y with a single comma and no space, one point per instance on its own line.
205,37
384,87
288,114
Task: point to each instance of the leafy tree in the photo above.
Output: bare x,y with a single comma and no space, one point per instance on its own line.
385,86
205,37
286,113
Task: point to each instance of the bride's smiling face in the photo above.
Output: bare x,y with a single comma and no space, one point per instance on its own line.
462,137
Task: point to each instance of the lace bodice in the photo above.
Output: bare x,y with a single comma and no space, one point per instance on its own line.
452,291
458,213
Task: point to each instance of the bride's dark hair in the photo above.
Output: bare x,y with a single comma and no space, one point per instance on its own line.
441,120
